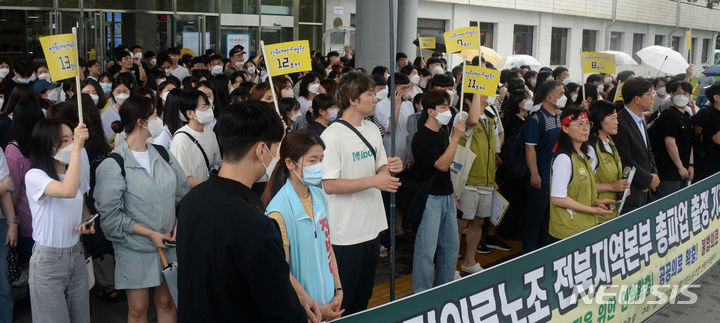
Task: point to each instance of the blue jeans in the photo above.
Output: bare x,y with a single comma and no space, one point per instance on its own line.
437,231
6,302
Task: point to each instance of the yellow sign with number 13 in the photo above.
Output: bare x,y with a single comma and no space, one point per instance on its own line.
289,57
61,56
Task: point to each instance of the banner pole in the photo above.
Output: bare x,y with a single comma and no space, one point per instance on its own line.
391,14
272,87
78,90
420,46
462,86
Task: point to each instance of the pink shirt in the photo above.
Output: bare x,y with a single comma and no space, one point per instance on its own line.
19,165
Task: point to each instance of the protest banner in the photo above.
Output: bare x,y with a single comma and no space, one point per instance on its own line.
624,270
61,55
427,42
618,92
594,62
462,38
285,58
481,80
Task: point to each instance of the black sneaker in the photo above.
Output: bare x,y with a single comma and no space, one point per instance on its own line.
482,248
495,243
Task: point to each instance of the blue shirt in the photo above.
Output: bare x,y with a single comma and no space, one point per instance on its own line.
639,123
543,135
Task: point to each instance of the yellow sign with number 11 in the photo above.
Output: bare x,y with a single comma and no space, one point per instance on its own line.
61,56
289,57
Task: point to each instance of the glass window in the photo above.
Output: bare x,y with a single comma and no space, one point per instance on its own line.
693,46
20,30
27,3
196,6
589,40
272,35
313,33
523,39
616,40
705,50
248,7
68,4
276,7
676,43
137,5
558,46
311,10
487,34
660,40
253,31
638,44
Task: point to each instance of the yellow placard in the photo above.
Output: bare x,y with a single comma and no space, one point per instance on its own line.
688,34
594,62
481,80
61,56
427,42
289,57
462,38
618,93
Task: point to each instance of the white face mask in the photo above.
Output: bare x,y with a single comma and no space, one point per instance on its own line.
217,69
382,94
54,95
574,97
444,117
332,115
528,105
44,76
608,79
533,82
296,117
33,78
561,101
211,101
155,126
661,91
287,93
314,88
567,81
2,101
95,98
601,88
4,72
531,94
153,61
63,154
168,72
415,79
270,167
251,70
120,98
451,93
138,55
437,70
164,95
204,117
681,100
239,64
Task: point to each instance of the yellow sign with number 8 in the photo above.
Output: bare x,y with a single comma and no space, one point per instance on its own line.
288,57
60,55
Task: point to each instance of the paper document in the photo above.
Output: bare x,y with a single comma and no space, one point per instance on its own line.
499,207
625,193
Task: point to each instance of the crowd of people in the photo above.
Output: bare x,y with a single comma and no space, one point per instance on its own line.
283,216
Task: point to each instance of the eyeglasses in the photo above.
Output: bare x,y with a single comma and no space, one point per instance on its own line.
581,124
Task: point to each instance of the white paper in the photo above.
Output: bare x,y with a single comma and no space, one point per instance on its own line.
191,40
499,207
625,193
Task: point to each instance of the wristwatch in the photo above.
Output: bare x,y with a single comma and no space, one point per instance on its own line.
339,289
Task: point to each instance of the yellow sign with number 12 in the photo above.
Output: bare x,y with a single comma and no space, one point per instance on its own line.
289,57
61,56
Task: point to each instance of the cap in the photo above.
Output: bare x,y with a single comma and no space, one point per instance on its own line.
238,49
43,85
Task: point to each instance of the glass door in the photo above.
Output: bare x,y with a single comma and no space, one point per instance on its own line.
187,33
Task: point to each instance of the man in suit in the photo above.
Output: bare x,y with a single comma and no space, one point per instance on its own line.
633,143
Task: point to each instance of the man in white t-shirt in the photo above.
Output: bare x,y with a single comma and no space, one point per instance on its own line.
175,69
188,140
353,176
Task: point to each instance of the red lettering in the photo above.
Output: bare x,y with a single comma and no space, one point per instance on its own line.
324,225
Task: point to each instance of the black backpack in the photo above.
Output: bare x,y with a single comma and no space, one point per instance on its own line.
161,150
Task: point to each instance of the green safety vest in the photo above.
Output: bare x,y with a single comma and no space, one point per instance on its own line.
609,170
482,172
582,188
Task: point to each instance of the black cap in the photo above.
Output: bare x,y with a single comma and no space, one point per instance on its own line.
238,49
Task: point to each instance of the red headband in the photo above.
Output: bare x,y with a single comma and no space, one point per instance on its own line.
568,119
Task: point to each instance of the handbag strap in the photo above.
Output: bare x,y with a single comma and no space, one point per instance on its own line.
347,124
197,143
162,257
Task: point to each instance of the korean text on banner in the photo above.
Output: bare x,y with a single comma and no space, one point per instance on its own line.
462,38
481,80
61,56
289,57
618,92
594,62
427,42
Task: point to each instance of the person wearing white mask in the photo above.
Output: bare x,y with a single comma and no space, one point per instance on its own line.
56,186
150,60
209,91
237,58
309,88
438,230
325,111
435,66
109,114
92,88
251,69
4,68
195,147
672,141
136,193
661,95
43,73
562,74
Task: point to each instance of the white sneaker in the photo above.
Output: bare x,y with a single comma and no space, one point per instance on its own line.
457,275
472,269
383,251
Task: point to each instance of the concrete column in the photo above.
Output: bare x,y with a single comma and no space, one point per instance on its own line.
407,27
372,37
